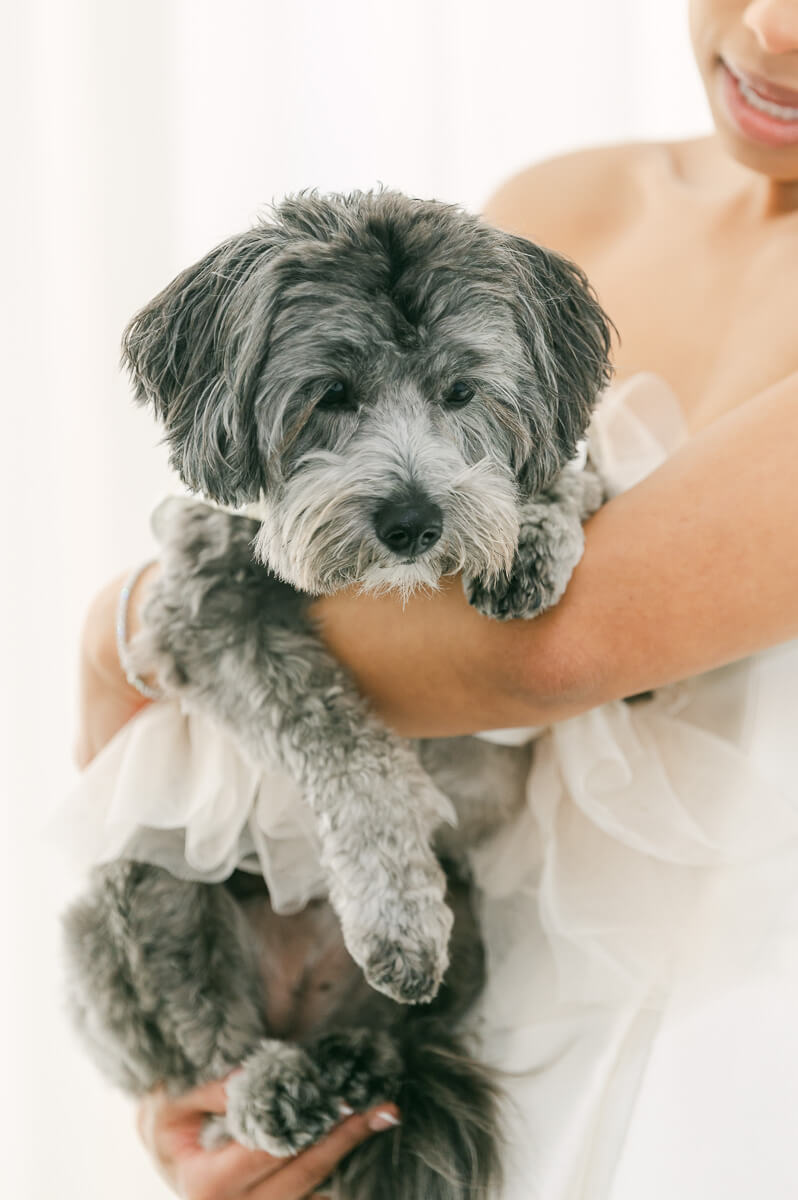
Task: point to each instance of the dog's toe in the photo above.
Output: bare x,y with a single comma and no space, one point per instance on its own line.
362,1066
279,1102
410,973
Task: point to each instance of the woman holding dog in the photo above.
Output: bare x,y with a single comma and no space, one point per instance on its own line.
687,572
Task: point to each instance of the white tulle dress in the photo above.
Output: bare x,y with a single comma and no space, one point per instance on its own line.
641,913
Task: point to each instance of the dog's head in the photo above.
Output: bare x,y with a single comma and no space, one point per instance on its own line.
388,377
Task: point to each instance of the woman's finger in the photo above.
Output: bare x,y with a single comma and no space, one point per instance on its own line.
224,1174
172,1129
300,1176
207,1098
160,1115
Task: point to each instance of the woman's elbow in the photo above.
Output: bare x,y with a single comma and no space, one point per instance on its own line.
553,673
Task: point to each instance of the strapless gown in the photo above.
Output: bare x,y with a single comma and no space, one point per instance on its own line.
640,913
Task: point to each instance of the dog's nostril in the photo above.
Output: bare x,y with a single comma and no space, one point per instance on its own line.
408,527
398,538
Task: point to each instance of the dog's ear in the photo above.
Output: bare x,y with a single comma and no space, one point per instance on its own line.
195,353
568,337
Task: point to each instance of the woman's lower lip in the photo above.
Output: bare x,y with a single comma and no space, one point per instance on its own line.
754,124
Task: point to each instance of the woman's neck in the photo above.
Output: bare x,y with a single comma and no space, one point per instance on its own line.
777,197
704,163
766,198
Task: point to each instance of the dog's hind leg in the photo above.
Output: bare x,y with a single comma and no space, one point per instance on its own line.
288,1096
163,982
281,1101
361,1066
448,1144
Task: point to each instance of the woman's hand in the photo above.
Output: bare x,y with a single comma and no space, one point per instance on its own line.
170,1129
107,701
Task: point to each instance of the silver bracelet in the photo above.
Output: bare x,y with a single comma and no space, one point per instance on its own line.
122,648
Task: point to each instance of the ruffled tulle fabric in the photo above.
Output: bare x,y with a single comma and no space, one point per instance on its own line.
175,790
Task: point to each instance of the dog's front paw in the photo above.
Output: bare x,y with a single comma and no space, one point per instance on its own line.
510,596
549,547
279,1102
524,593
406,971
407,965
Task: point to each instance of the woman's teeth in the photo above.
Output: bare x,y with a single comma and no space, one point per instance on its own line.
780,111
767,106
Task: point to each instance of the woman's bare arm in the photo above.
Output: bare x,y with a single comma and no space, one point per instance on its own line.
106,701
693,568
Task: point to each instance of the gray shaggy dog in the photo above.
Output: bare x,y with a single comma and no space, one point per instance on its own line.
400,390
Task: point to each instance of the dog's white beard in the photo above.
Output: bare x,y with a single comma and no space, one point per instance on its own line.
318,534
404,578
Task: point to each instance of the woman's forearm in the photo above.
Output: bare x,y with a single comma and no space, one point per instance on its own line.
693,568
106,700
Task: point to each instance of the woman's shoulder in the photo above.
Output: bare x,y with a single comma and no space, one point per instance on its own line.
574,201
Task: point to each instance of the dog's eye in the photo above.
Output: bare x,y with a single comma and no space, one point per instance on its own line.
458,395
337,397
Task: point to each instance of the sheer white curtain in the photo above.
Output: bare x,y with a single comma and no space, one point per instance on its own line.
138,134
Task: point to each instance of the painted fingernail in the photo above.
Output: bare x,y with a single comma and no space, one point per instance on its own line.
345,1110
382,1120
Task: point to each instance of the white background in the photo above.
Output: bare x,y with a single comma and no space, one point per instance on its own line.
137,135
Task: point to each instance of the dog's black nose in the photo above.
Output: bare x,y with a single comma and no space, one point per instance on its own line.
408,526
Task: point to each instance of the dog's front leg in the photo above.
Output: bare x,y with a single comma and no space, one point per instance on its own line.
375,809
234,641
376,812
550,544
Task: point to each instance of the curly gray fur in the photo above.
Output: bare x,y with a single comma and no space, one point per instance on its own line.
399,390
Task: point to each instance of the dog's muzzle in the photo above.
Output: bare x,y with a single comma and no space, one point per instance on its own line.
409,525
